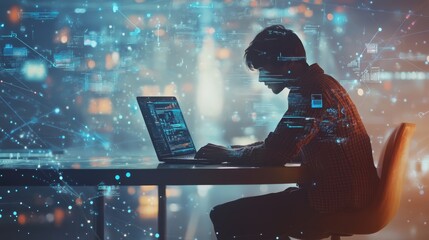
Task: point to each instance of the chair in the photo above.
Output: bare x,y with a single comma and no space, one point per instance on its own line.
391,170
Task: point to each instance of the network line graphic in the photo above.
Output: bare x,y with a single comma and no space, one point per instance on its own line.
15,36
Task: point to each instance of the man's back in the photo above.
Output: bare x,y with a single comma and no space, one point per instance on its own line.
339,156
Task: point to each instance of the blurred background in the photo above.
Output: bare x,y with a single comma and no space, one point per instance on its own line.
70,72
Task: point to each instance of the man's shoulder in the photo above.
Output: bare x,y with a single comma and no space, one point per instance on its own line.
320,81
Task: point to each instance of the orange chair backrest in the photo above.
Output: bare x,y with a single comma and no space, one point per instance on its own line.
392,170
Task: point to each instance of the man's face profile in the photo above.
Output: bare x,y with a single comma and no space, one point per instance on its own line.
276,77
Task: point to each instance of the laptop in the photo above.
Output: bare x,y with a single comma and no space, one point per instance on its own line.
168,130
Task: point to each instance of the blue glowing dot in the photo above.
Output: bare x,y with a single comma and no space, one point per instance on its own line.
1,216
57,110
70,207
157,235
15,213
117,177
128,174
91,202
61,177
380,29
148,15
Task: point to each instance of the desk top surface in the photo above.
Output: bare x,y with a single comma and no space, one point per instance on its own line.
104,160
105,169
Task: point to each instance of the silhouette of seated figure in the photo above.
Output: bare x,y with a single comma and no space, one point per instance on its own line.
321,129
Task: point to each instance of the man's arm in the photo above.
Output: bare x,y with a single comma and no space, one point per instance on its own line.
298,127
280,147
218,152
255,144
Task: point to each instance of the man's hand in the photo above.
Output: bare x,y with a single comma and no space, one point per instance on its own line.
213,151
249,145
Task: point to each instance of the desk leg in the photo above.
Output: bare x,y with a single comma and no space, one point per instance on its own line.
162,212
99,203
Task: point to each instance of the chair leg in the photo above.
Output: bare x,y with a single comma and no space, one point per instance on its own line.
335,237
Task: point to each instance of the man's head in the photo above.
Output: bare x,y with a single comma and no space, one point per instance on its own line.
278,54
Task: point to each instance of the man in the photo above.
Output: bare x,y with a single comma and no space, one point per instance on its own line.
321,129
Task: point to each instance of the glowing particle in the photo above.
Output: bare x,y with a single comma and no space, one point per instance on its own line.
64,39
56,110
360,92
339,29
34,70
14,14
115,7
117,177
210,30
79,10
61,178
50,217
91,64
15,213
235,117
308,13
70,207
157,235
380,29
128,174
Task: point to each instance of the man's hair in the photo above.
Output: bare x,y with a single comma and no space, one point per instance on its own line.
273,46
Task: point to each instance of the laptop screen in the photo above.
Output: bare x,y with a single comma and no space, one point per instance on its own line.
166,125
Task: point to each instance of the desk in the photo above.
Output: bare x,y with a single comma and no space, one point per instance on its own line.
134,171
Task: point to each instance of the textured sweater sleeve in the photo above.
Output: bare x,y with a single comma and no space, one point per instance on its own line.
298,126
